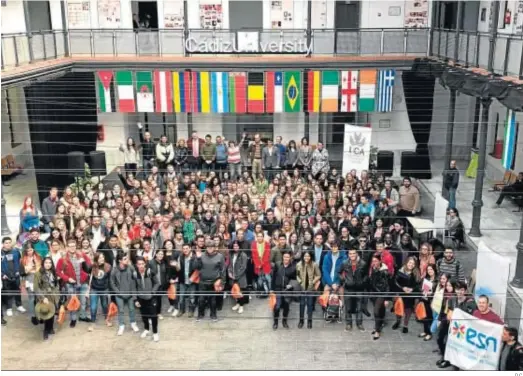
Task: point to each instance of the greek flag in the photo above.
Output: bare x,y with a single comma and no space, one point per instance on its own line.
385,87
509,143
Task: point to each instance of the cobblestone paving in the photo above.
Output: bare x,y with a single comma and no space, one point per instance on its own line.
236,342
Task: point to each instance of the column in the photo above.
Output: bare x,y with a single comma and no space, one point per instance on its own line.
64,28
477,203
450,134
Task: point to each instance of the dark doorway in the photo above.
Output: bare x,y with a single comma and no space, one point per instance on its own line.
39,16
62,118
347,15
147,12
446,14
245,15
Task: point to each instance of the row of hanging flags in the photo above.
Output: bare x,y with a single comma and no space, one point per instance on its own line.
240,92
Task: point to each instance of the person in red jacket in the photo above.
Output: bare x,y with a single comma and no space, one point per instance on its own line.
261,258
386,257
73,270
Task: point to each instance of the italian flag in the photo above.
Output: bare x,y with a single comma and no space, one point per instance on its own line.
144,92
124,83
329,91
104,80
367,90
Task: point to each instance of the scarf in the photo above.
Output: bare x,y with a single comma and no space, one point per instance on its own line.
188,231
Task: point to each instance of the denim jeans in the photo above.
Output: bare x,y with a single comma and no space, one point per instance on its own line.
79,291
94,296
235,170
266,277
121,303
31,302
452,198
353,306
187,292
306,300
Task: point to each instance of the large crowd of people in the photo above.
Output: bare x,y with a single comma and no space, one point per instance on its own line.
204,222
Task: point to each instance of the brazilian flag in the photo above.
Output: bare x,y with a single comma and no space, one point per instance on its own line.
292,91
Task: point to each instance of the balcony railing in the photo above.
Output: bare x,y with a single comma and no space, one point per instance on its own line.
474,47
20,49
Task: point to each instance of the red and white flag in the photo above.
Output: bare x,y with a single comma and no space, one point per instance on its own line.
349,91
163,91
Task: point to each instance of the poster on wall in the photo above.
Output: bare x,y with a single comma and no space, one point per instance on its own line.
78,14
109,14
518,18
356,148
276,14
211,15
417,13
173,14
287,14
319,10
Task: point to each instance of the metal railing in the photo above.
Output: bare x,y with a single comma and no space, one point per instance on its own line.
473,49
20,49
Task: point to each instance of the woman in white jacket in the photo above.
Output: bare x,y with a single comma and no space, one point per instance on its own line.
164,153
130,155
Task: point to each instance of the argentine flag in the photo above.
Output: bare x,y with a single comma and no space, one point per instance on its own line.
220,92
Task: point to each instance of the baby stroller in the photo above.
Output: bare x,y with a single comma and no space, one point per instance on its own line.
333,310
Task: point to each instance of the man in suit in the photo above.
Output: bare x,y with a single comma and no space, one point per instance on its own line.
194,146
270,159
514,189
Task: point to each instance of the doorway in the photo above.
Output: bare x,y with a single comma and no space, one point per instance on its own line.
147,12
39,16
347,15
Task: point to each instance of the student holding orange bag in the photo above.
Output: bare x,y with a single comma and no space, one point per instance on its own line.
406,283
237,272
47,291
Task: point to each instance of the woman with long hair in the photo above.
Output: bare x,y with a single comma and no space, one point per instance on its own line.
378,288
29,215
406,282
426,258
448,304
428,287
158,267
180,156
30,264
130,155
304,155
47,291
291,156
99,287
308,276
237,272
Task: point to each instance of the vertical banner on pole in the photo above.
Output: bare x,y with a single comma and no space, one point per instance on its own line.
356,148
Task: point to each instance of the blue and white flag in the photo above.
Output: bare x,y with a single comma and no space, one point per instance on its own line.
509,142
385,89
220,92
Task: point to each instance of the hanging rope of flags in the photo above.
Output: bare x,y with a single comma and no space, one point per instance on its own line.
366,90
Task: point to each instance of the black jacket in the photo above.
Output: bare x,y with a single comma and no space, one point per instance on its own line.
194,264
148,148
379,279
180,155
514,359
282,276
451,178
353,280
146,286
108,253
161,271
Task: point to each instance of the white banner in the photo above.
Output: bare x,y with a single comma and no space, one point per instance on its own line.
473,344
492,277
440,214
356,148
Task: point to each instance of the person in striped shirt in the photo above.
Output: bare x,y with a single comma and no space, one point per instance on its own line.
234,160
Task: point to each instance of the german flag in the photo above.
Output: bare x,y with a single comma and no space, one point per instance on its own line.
255,93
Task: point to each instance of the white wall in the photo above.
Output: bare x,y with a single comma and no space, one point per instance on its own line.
463,124
56,14
19,120
375,14
290,126
13,19
207,124
483,26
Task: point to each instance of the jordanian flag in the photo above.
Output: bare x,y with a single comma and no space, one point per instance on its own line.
292,87
124,83
144,92
509,142
104,81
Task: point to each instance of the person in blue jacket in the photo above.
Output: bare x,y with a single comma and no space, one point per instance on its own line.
332,262
10,277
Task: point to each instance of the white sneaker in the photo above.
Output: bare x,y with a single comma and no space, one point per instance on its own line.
21,309
121,328
160,317
235,308
91,328
135,327
171,308
156,337
9,312
175,313
240,310
144,334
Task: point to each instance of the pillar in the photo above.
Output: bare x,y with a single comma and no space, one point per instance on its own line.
450,134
